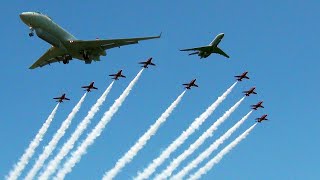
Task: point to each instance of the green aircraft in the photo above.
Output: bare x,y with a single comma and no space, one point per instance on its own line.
65,46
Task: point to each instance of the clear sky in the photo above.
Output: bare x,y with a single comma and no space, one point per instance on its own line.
276,41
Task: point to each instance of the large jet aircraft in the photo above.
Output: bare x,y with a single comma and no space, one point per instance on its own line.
262,118
117,75
147,63
242,76
258,105
206,51
65,46
189,85
88,88
61,98
250,91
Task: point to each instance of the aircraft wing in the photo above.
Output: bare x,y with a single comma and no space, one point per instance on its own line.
51,56
203,48
109,43
219,51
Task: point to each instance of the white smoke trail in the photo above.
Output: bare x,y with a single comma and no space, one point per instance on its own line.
208,133
183,137
54,141
219,156
82,148
205,154
28,153
53,164
142,141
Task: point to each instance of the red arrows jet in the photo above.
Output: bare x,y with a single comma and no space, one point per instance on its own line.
147,63
61,98
258,105
250,91
118,75
88,88
242,76
189,85
262,118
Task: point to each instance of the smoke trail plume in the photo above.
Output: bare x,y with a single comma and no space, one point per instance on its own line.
205,154
219,156
53,164
208,133
142,141
184,136
82,148
28,153
54,141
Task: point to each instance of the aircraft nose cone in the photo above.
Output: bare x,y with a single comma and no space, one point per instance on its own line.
25,16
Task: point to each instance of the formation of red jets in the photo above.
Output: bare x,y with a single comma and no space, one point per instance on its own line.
246,93
192,83
114,76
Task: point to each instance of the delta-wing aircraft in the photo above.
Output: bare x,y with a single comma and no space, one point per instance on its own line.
88,88
206,51
65,46
189,85
117,75
61,98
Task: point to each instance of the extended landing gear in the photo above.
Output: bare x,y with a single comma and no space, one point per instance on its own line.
85,56
66,59
31,32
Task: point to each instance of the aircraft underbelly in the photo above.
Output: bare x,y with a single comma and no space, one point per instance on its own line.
49,38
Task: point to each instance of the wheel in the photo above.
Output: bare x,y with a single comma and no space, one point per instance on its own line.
65,61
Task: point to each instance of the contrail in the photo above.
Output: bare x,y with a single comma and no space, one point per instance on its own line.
219,156
28,153
208,133
82,148
142,141
184,136
205,154
54,141
66,148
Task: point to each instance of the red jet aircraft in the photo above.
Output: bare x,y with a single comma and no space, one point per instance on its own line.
118,75
258,105
262,118
147,63
250,91
242,76
88,88
189,85
61,98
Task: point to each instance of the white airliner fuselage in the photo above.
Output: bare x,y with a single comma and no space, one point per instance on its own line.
206,51
65,45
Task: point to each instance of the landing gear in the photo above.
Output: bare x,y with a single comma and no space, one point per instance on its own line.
66,59
88,61
85,55
31,32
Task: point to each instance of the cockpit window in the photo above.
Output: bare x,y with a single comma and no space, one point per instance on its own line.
44,15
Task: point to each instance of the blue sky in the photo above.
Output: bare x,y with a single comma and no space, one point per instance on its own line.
276,41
